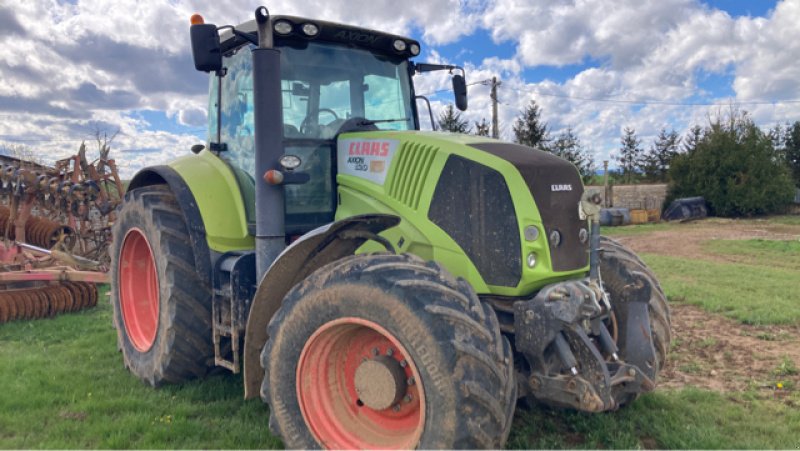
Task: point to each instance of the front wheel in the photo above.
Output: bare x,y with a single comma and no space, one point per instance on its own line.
387,351
620,267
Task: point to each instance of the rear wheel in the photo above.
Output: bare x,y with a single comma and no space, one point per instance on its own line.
387,351
161,307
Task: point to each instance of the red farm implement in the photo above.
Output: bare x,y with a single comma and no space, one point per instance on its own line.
55,229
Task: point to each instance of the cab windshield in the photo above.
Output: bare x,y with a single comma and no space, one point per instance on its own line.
324,85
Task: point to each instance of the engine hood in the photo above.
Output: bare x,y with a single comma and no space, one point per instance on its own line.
479,192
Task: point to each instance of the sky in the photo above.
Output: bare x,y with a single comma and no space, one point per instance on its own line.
70,68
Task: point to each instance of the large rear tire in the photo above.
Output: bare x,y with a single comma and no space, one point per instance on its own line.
161,307
387,351
613,257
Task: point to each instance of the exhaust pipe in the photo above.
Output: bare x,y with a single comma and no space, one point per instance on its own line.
268,118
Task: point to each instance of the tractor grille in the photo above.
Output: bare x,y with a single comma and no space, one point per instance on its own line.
548,177
473,205
410,172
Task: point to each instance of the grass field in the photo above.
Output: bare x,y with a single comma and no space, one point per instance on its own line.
750,293
64,386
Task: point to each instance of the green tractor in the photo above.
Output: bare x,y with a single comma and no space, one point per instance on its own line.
378,286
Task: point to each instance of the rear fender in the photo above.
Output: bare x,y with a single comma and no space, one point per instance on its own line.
307,254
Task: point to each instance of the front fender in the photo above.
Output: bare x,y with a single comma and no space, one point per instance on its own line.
165,175
217,196
310,252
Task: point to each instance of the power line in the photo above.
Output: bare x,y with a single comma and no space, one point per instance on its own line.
13,138
448,90
630,102
655,102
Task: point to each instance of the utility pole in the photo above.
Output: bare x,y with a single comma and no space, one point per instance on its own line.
606,192
495,84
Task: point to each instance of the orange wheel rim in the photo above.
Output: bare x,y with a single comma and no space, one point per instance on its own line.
138,290
352,358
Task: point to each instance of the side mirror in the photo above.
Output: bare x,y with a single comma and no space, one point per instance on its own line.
460,91
206,48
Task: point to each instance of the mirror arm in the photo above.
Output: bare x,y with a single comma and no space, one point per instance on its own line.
240,34
426,67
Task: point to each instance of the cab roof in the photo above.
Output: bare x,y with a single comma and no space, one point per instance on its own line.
328,31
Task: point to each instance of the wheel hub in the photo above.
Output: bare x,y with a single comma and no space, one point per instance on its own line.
380,382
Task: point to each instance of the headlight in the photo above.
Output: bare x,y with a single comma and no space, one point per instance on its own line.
531,233
282,27
290,162
399,45
531,260
310,29
414,49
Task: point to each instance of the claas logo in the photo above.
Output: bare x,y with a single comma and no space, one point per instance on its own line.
372,148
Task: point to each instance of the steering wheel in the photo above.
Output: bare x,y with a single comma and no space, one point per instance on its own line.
307,121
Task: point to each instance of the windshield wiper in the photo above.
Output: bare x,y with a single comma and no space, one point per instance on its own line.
376,121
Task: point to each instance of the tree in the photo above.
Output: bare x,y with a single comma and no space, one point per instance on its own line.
791,151
734,168
529,130
662,152
568,146
693,136
630,154
482,127
450,121
777,135
21,152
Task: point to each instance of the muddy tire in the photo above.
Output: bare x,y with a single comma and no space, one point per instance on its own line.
448,381
162,310
614,255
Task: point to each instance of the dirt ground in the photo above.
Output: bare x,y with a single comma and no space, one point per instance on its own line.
709,350
687,239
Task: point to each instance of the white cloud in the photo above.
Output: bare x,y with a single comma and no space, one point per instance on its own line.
66,65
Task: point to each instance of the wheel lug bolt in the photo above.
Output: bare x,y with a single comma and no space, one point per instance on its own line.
390,352
410,380
396,408
403,363
375,351
407,398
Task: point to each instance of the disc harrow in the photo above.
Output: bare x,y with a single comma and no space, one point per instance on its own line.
46,301
39,231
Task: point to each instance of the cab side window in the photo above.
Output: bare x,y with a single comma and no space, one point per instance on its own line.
237,130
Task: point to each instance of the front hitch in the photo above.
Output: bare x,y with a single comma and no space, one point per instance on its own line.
563,334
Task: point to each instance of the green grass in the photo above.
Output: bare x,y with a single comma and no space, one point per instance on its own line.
748,293
689,418
787,220
766,253
64,386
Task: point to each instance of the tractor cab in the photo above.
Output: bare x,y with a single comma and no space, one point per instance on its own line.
333,79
